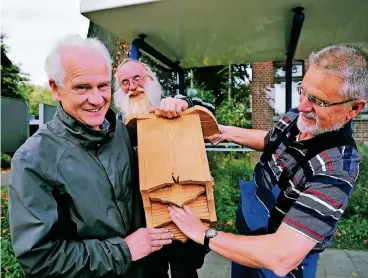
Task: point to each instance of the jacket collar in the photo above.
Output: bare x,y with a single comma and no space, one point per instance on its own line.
81,134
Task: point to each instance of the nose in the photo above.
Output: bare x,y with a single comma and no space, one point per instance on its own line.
96,98
304,104
132,85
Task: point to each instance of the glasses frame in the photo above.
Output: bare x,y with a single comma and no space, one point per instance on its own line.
136,79
318,102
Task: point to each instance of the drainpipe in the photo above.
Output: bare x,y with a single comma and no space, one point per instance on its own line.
298,21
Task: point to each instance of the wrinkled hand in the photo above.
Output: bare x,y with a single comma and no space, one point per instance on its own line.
170,107
188,223
218,138
145,241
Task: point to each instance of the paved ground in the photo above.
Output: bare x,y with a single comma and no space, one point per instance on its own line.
5,178
332,264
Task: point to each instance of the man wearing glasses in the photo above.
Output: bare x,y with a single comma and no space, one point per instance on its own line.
138,91
302,183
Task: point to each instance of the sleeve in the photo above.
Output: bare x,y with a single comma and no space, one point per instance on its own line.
197,101
321,204
32,215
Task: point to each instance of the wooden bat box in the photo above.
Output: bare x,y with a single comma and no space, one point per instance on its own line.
173,166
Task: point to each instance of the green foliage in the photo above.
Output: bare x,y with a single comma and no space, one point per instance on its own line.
233,113
226,169
352,233
39,94
13,81
5,161
229,112
9,266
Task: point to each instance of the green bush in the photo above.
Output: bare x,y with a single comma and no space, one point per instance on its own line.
5,161
9,266
226,169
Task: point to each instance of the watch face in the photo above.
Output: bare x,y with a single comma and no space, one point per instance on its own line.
210,233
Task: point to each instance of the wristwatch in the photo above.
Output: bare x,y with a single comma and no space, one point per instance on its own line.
210,233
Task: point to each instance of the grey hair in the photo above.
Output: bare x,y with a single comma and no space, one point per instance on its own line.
350,63
53,66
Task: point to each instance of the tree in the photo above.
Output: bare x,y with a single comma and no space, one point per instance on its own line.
13,81
39,94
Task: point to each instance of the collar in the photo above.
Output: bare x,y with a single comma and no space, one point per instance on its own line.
81,134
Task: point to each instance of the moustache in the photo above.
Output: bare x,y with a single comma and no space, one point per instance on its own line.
310,115
135,92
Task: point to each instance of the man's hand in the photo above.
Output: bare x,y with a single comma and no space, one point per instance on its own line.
145,241
220,137
170,107
188,223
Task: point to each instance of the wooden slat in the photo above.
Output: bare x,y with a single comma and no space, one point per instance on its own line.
177,194
178,235
208,121
147,209
160,213
211,202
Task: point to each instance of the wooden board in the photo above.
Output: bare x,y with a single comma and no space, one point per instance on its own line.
176,194
208,121
171,148
160,214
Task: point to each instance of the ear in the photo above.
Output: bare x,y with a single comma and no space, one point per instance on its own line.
357,106
55,89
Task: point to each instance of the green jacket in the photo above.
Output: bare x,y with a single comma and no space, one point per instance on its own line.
74,198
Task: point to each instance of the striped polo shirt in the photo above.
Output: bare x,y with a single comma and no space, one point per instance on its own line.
314,189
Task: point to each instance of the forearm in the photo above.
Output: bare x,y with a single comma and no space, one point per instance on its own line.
251,138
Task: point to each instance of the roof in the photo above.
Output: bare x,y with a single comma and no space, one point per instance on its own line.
202,33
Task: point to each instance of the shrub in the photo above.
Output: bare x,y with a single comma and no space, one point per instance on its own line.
5,161
9,266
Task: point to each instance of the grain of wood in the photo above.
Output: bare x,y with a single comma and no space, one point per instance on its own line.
169,148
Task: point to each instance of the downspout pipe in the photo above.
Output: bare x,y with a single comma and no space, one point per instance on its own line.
298,20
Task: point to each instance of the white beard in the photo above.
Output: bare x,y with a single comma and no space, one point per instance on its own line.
314,129
131,106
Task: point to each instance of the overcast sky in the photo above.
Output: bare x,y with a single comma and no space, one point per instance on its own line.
33,27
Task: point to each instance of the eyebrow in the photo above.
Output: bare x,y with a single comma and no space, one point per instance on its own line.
324,102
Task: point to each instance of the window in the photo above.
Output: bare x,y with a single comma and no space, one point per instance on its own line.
280,85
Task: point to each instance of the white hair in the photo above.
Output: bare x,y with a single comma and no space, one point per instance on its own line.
53,66
350,63
152,89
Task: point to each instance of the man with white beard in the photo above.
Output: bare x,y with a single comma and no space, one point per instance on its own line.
138,91
302,183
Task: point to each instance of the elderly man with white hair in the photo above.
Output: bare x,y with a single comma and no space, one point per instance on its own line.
138,91
74,203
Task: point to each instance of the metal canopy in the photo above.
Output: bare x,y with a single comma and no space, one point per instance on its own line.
217,32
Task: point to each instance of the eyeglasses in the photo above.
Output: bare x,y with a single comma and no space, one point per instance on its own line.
315,101
136,79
